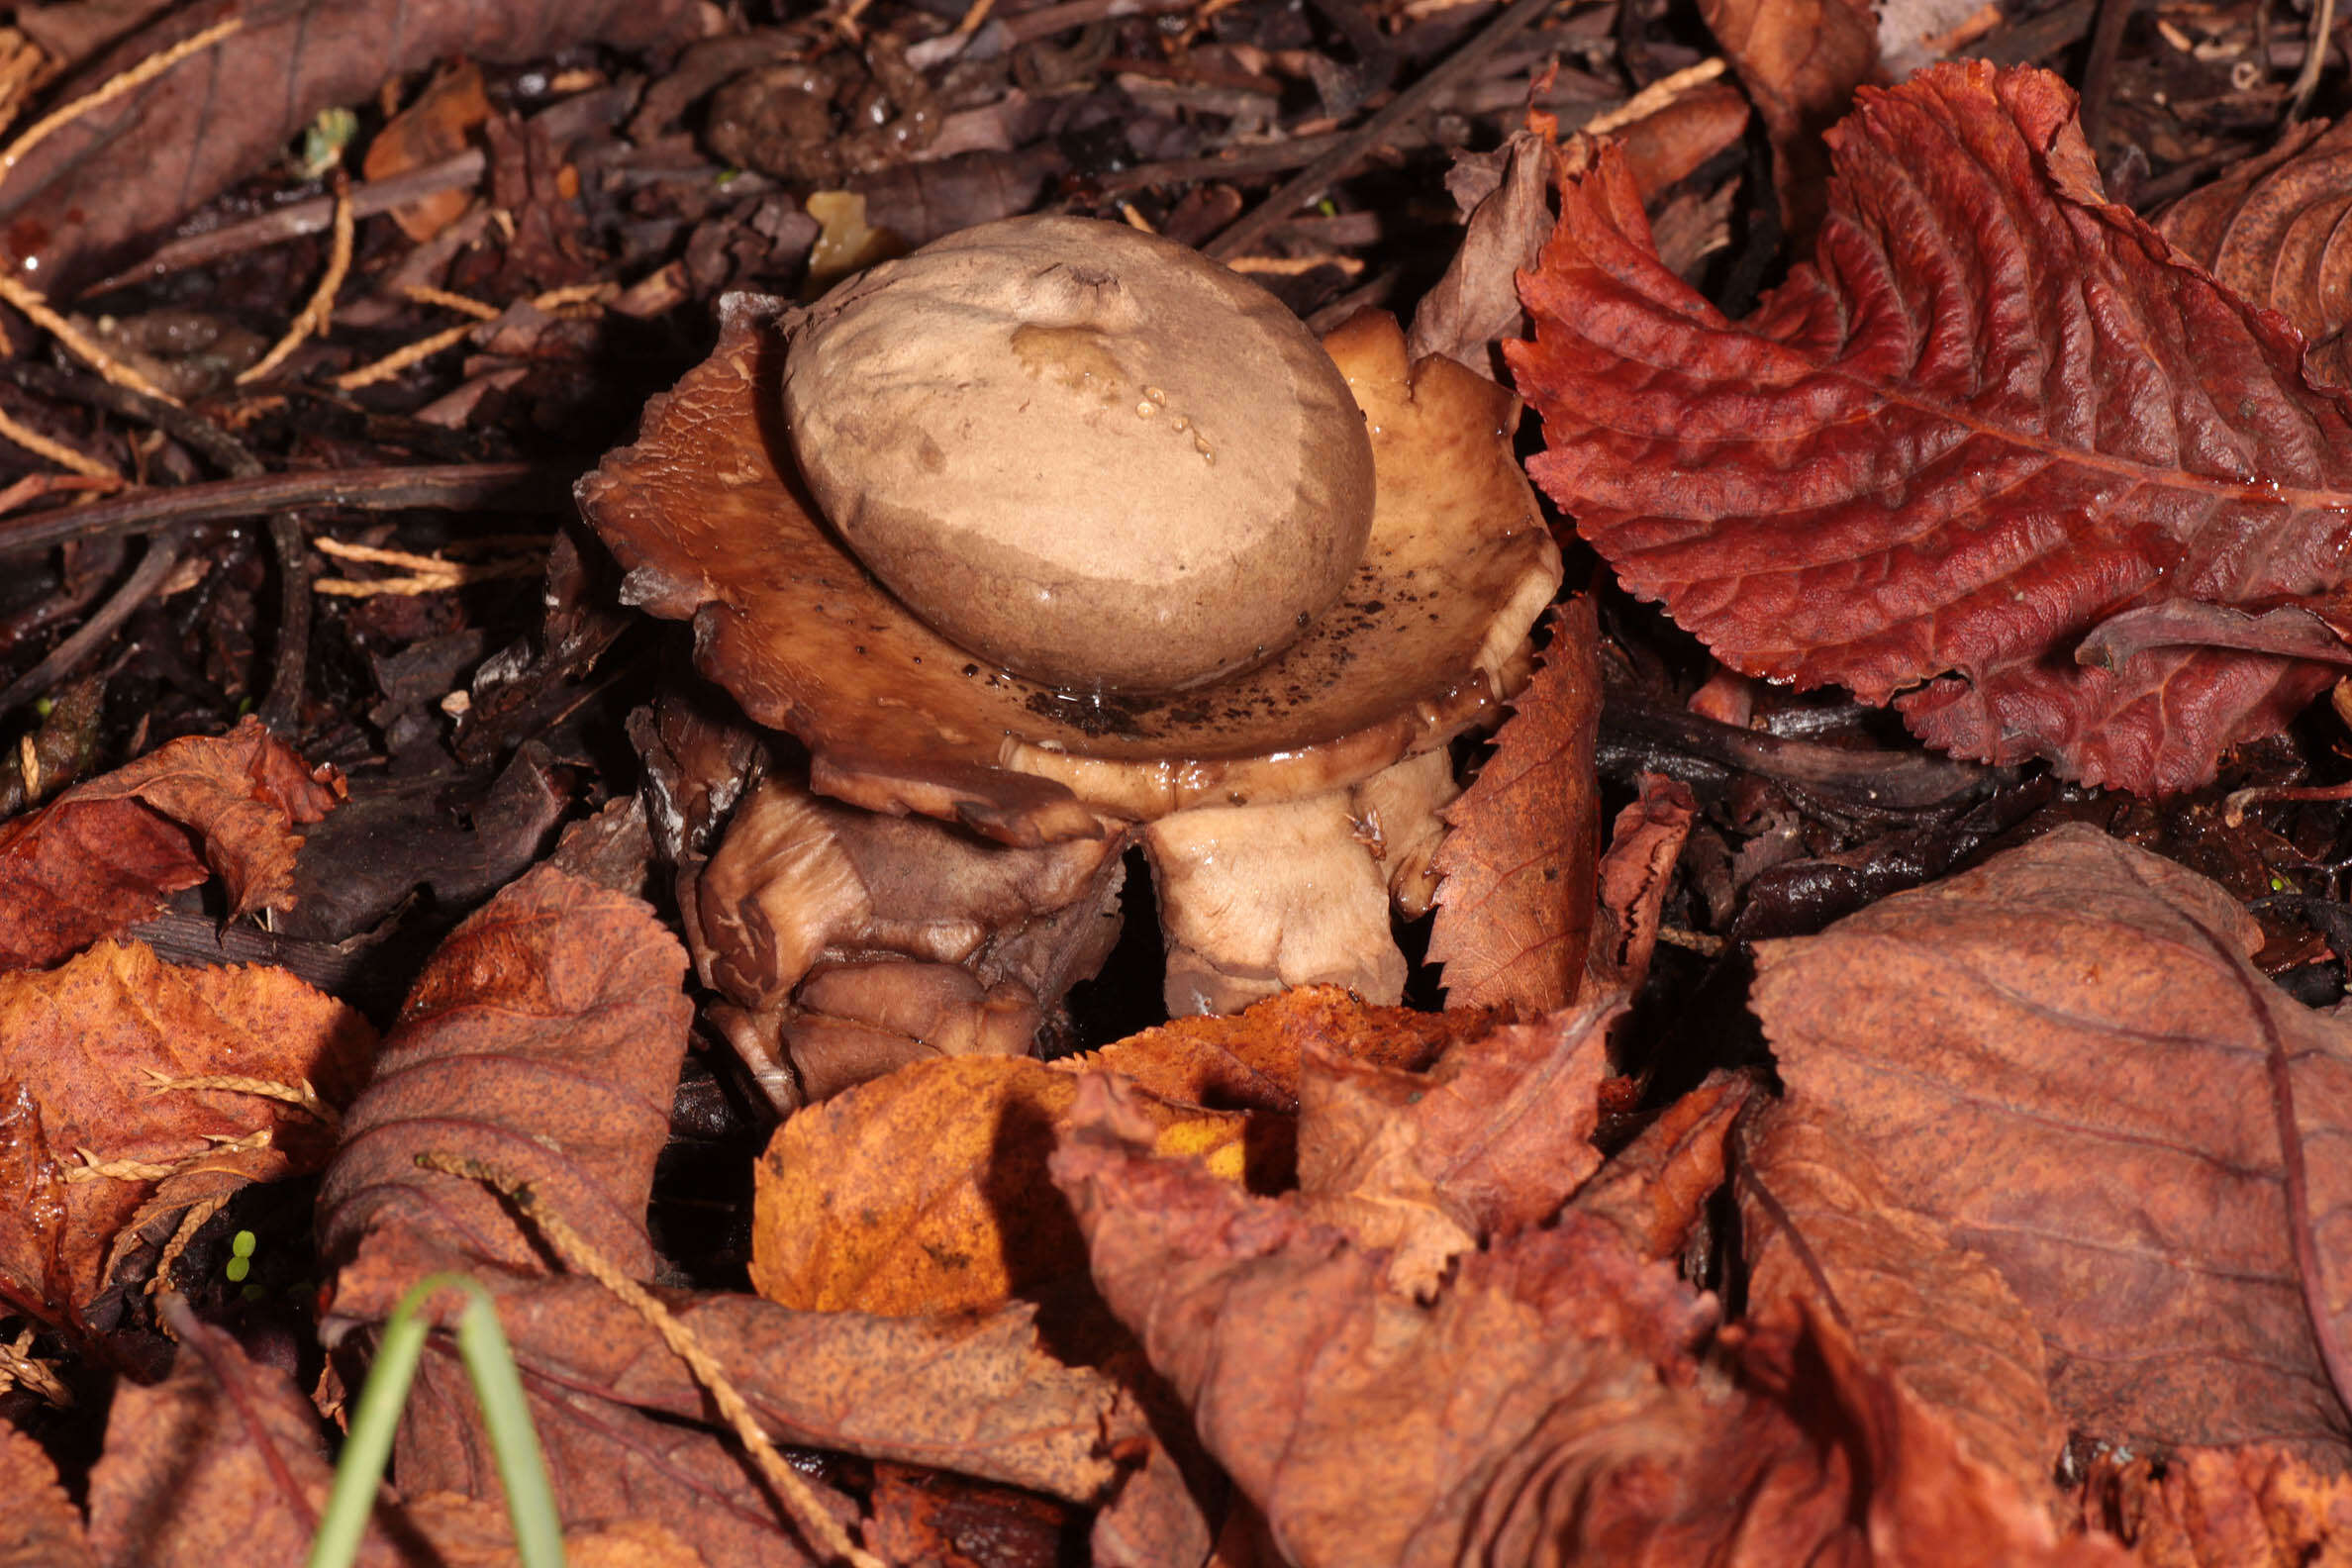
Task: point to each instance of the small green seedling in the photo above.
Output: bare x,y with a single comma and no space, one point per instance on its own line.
506,1417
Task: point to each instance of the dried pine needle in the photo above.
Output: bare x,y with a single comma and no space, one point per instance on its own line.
316,315
57,451
147,70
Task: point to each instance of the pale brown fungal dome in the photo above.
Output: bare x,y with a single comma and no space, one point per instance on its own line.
1086,453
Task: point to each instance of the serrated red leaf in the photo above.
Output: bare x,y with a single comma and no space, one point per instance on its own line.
1996,411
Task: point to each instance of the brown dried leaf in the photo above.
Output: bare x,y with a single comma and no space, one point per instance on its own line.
1802,62
1822,1226
1993,413
433,127
925,1191
544,1036
2272,229
42,1527
2244,1508
1250,1060
1541,1407
2066,1058
1515,906
105,854
1506,199
1656,1186
1672,141
1489,1141
1637,872
183,137
220,1462
75,1046
1370,1428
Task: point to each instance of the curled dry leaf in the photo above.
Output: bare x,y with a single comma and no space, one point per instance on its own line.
925,1191
1251,1061
2272,229
2067,1059
183,137
1637,872
1655,1189
76,1047
2249,1507
1489,1141
1822,1225
1994,412
105,854
1514,899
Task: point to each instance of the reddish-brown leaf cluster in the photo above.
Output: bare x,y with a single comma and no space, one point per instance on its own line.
1994,414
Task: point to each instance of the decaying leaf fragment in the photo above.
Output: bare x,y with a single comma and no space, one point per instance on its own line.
81,1047
2067,1059
106,854
2249,1507
1994,411
2272,228
1514,899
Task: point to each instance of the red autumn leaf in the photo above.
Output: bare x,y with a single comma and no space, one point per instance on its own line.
1515,903
105,854
1994,411
2067,1059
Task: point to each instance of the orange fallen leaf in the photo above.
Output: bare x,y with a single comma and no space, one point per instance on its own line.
925,1191
41,1528
432,129
1515,906
77,1046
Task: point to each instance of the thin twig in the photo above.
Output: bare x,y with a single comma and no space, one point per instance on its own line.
183,425
513,486
816,1521
424,348
296,219
114,87
319,311
290,662
153,569
1318,177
